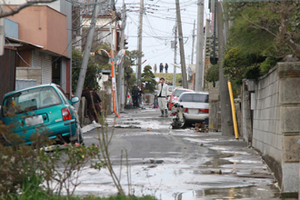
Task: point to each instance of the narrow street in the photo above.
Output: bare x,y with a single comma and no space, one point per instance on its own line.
177,164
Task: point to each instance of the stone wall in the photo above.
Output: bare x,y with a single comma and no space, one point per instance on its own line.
214,110
276,116
246,111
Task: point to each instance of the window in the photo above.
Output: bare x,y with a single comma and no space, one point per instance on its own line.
30,100
177,93
201,98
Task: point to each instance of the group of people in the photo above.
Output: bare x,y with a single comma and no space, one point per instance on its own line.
94,103
161,68
136,95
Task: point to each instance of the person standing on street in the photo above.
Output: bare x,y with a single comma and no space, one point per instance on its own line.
155,68
140,96
135,96
166,68
162,97
94,104
161,68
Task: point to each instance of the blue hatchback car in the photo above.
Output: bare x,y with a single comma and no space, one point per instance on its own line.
45,109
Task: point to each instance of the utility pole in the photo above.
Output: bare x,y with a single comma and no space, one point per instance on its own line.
86,55
182,55
199,51
121,93
112,56
207,26
226,117
193,44
175,53
139,68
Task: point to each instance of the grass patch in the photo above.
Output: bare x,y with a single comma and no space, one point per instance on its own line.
121,197
169,77
44,196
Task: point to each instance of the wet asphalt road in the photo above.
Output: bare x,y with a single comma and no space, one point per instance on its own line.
177,164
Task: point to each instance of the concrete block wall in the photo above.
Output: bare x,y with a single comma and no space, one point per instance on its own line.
246,114
276,116
30,73
214,110
267,134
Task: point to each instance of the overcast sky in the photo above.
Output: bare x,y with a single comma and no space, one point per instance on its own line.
158,29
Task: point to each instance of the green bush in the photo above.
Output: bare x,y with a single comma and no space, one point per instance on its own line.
27,172
268,64
252,73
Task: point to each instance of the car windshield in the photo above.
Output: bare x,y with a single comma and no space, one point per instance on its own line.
177,93
29,100
202,98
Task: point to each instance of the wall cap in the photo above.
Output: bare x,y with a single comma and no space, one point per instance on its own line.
288,69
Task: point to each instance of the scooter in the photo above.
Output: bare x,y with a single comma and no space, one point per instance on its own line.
177,116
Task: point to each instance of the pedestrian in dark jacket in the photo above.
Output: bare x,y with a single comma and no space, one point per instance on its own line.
166,68
94,104
161,68
135,96
140,96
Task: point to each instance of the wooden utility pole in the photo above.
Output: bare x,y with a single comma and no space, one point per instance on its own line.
193,43
207,27
226,117
139,68
85,60
199,51
181,46
175,53
120,83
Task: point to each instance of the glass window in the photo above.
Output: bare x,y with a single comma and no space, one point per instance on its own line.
30,100
203,98
200,98
179,92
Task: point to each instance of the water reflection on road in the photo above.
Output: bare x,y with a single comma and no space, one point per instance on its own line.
180,164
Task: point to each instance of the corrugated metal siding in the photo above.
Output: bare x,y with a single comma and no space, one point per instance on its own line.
7,72
36,59
63,74
42,60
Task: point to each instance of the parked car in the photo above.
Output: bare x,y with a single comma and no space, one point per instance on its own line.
195,106
44,108
173,98
170,89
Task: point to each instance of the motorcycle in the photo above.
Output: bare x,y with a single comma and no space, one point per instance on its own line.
177,116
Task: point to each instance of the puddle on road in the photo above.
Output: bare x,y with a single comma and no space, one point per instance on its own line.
216,162
178,182
143,124
229,193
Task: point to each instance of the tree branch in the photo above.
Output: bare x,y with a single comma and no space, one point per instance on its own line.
295,47
22,6
258,26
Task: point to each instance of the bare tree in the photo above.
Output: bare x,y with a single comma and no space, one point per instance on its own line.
18,8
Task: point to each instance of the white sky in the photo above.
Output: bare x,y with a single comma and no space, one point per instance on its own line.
158,30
